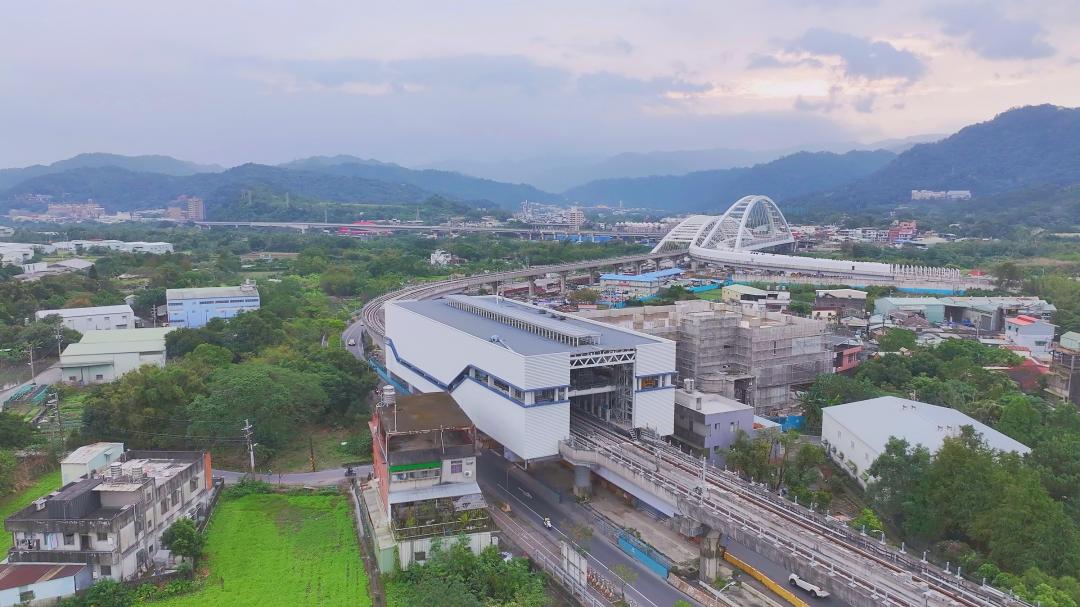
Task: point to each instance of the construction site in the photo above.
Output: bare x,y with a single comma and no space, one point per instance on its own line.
755,358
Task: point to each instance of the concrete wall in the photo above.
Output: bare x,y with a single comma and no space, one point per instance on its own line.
847,449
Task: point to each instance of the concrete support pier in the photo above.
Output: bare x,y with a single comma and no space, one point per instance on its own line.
582,481
711,555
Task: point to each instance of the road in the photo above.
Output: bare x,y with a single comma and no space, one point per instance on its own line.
322,478
355,332
48,376
649,590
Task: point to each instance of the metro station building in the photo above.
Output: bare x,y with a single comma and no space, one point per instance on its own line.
517,370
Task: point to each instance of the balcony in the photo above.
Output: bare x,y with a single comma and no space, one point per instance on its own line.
450,524
90,557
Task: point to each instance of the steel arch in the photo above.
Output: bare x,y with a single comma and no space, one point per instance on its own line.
752,223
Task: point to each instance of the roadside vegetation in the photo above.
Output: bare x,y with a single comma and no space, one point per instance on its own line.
1012,520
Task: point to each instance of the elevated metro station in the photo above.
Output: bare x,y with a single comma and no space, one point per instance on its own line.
519,369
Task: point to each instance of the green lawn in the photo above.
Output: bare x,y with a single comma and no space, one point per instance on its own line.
9,505
281,550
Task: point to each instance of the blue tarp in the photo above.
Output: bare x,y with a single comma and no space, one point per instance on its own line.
644,555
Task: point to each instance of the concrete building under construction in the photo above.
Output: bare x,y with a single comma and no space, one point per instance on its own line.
754,358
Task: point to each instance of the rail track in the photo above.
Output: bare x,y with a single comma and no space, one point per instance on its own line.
884,572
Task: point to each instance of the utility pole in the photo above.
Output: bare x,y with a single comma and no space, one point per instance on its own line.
248,434
311,451
59,338
30,346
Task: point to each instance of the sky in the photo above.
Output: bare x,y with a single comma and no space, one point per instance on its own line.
269,81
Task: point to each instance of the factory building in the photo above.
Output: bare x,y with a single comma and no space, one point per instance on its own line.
96,318
193,308
855,434
638,285
518,369
755,358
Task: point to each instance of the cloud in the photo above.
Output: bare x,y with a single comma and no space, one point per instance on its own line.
991,34
761,62
861,57
608,83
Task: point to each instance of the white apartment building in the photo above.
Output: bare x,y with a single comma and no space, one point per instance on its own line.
113,518
97,318
138,246
1030,332
518,369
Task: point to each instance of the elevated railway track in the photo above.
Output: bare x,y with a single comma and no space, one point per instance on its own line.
881,573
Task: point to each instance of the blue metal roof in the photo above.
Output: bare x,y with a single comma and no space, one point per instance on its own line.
646,277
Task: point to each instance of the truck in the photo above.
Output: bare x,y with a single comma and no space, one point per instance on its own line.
814,590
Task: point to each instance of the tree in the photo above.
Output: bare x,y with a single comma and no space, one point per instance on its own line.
8,469
751,455
626,575
183,539
15,432
894,339
899,475
866,520
108,593
584,296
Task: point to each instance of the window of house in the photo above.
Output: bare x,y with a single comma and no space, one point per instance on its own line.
102,537
25,596
419,556
455,466
193,484
69,539
72,378
99,376
176,497
106,570
731,427
163,506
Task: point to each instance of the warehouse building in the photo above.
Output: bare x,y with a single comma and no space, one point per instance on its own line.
193,308
518,369
754,358
102,356
982,313
97,318
855,434
638,285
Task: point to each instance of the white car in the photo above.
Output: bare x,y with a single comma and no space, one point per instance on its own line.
506,557
352,342
798,582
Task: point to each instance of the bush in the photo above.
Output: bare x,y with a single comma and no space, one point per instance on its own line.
246,486
183,539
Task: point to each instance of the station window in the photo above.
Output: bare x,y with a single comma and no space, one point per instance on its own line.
652,381
544,396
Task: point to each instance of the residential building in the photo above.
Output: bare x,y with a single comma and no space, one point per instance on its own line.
87,210
847,353
88,459
633,286
193,308
756,358
175,213
903,231
97,318
707,424
424,487
103,356
195,209
76,247
440,258
518,369
753,299
1064,378
34,584
1032,333
575,216
844,302
112,520
855,434
17,253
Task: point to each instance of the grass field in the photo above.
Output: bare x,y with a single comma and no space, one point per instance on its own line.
281,551
9,505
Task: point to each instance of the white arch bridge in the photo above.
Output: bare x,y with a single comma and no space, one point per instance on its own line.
738,237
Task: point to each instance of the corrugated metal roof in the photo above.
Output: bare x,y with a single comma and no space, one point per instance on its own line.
121,347
84,454
91,311
875,420
125,335
14,575
434,492
646,277
203,292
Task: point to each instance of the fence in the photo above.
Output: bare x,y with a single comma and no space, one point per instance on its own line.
644,554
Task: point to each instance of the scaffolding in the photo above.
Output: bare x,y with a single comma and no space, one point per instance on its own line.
755,358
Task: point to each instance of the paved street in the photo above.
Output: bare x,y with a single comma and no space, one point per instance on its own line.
322,478
50,375
354,331
531,507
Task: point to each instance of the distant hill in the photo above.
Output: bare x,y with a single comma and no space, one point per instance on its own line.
165,165
445,183
798,174
1028,147
121,189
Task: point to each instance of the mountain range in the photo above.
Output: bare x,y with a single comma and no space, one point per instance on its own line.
1034,148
